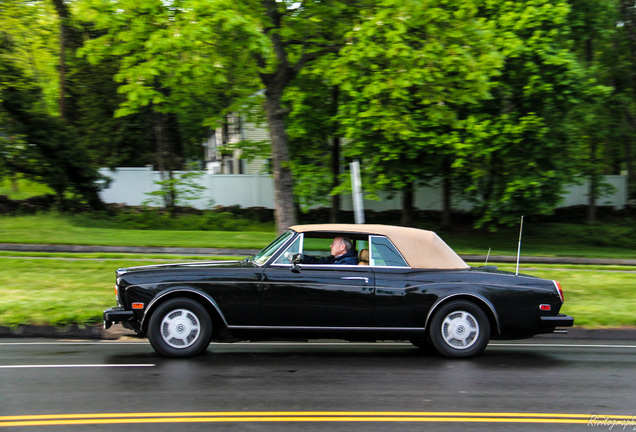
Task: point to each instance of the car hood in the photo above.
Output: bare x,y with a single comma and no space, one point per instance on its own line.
185,265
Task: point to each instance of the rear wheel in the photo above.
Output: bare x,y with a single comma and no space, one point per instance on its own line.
180,327
459,329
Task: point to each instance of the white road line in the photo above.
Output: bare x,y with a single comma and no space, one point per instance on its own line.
74,366
544,345
73,343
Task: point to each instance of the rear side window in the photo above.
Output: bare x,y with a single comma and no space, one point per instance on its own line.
384,254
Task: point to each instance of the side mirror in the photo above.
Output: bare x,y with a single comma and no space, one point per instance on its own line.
295,268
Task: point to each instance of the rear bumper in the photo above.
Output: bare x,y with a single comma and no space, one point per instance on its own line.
559,320
117,314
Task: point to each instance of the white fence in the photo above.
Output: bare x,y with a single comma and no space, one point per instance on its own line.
130,185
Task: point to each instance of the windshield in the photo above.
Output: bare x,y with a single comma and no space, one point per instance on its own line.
263,256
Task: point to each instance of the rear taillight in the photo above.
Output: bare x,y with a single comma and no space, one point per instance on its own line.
560,291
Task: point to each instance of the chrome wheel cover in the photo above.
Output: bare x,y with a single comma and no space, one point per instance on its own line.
460,330
180,328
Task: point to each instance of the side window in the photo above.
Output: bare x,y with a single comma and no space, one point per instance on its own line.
317,246
293,249
384,254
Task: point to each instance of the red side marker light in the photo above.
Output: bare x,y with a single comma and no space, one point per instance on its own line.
545,307
137,305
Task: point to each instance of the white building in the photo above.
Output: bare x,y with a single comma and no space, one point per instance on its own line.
221,154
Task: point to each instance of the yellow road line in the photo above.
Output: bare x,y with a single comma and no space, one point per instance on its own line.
310,416
318,416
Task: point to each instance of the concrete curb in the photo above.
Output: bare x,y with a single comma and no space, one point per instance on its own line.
20,247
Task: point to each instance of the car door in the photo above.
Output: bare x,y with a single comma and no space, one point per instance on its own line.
401,300
327,296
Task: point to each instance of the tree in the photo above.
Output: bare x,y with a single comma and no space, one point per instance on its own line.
617,58
178,189
600,123
518,149
229,49
36,143
408,69
29,35
315,140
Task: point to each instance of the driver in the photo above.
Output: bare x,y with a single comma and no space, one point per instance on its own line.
342,252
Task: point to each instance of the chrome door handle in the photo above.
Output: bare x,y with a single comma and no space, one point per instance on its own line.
365,279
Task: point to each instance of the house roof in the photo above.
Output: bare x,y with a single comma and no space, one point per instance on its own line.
421,249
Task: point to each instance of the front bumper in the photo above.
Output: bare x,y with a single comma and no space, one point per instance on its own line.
560,320
117,314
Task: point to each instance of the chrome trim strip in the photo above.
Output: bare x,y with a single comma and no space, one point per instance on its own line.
325,328
184,264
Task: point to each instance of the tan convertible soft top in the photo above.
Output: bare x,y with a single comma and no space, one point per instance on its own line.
422,249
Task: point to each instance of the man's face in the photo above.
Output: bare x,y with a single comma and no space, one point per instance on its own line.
337,247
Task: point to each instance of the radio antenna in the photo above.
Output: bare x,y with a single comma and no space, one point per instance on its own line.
519,247
487,256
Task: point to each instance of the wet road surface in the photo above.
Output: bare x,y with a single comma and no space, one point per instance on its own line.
536,384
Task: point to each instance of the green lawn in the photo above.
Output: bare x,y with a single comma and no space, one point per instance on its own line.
595,296
59,229
56,290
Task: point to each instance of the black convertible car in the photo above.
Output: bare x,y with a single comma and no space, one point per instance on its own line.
403,284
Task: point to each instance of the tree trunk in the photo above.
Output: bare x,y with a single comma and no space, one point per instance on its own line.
167,160
591,207
285,212
446,194
63,14
408,198
335,159
335,180
628,154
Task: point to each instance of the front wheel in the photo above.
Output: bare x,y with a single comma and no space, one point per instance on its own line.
180,327
459,329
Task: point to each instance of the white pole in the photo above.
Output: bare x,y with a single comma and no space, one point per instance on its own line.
519,247
356,187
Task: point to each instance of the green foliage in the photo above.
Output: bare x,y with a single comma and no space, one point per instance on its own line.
408,70
178,189
518,150
29,42
169,56
314,135
21,188
208,221
506,100
37,144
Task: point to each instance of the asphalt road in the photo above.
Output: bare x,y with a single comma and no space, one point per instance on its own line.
538,384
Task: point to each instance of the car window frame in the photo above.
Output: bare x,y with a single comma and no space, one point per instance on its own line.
372,258
285,248
276,253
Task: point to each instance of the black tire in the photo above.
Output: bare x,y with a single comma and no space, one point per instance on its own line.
459,329
180,328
